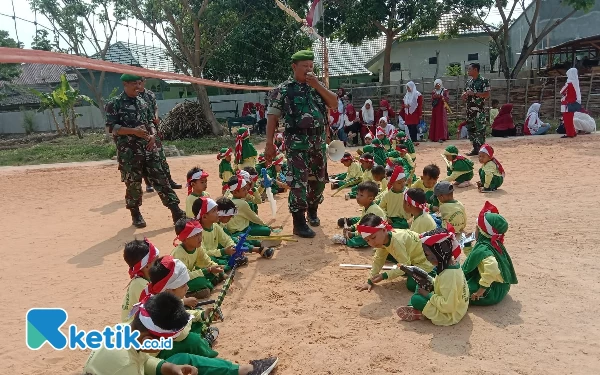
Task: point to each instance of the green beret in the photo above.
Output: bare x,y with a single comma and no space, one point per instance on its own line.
130,78
400,134
303,56
241,131
451,150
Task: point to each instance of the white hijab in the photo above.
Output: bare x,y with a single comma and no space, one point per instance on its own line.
533,118
441,90
573,78
411,98
368,115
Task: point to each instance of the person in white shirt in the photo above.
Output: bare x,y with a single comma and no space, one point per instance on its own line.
533,124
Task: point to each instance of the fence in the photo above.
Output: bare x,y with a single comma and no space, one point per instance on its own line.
520,92
222,105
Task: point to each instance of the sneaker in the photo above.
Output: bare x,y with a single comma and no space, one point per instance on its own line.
338,239
242,261
263,366
464,184
200,294
268,253
149,189
212,334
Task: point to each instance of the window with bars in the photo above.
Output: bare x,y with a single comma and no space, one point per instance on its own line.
396,67
433,60
473,57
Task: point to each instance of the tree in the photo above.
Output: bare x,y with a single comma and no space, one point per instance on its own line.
8,71
87,28
353,21
41,41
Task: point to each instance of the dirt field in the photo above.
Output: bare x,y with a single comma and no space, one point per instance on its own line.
64,230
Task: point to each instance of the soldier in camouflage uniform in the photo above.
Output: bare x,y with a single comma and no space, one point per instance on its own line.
150,98
301,102
129,119
476,91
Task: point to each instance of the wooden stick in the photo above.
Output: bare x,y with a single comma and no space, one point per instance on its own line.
366,266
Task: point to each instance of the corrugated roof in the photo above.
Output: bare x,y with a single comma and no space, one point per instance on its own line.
346,59
148,57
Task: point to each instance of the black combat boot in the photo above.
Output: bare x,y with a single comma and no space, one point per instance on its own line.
475,151
137,218
174,185
313,219
176,212
301,229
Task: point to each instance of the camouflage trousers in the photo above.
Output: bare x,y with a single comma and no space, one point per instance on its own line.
307,170
135,163
476,123
163,160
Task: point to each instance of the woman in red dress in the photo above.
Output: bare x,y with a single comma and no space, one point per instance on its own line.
570,102
438,130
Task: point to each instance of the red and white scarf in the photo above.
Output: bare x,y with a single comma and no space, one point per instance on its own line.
380,129
487,228
177,277
207,205
147,321
196,176
487,149
241,182
441,237
365,230
412,202
230,212
396,175
225,154
239,145
347,157
153,252
192,228
366,159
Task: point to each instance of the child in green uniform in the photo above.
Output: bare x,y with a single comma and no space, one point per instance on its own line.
427,182
197,182
225,169
368,141
139,255
189,233
448,302
367,191
392,201
460,169
366,164
406,141
415,205
275,172
379,153
245,217
245,153
381,136
488,267
402,244
379,177
254,197
491,173
409,164
163,315
350,177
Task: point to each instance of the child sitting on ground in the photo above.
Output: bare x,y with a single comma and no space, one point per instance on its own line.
368,141
254,197
350,177
275,172
170,275
488,267
381,133
245,217
367,191
392,201
448,302
427,182
378,173
460,169
225,169
197,182
189,233
406,141
279,143
450,210
366,164
163,315
139,255
491,173
409,164
402,244
245,153
379,153
415,205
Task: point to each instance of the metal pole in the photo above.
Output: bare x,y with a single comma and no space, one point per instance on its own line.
587,103
325,63
555,89
526,92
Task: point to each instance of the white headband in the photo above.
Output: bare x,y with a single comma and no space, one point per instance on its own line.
180,276
230,212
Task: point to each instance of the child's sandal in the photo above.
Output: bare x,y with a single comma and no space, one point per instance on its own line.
267,253
409,313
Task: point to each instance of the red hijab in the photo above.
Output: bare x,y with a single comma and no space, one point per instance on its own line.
351,113
504,119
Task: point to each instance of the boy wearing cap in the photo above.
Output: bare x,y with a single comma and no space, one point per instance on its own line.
460,169
225,169
450,210
129,119
197,182
245,153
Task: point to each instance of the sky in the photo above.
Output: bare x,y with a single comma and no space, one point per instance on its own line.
25,31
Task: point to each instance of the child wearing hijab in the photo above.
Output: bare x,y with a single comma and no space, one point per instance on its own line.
385,110
438,130
352,124
570,102
491,173
488,267
412,109
279,143
245,153
460,169
367,120
533,124
447,304
503,125
402,244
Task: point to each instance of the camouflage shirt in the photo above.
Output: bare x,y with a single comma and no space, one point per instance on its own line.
298,105
150,98
478,84
125,111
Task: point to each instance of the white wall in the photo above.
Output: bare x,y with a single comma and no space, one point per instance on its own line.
12,122
414,56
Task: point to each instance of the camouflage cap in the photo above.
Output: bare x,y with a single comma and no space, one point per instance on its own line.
130,77
303,55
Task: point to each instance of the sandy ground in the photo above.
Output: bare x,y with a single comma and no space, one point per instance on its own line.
64,230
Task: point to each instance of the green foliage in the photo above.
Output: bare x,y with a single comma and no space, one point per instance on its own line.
454,70
41,41
8,71
28,121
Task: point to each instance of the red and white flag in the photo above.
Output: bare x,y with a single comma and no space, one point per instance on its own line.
315,13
